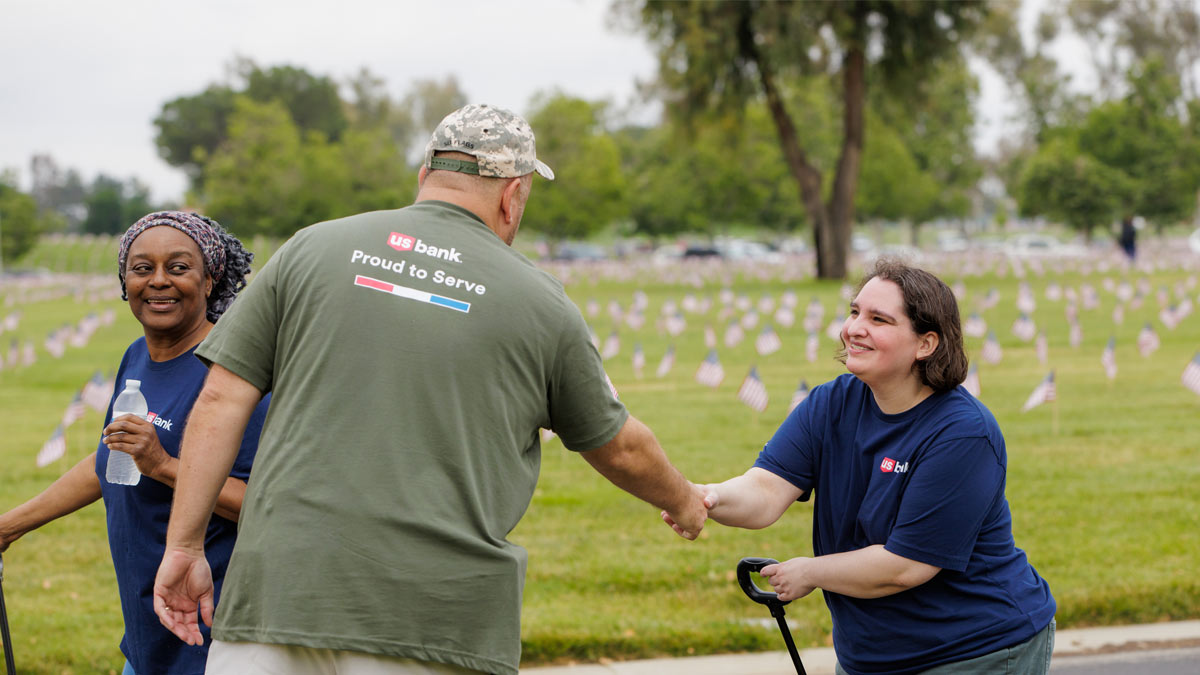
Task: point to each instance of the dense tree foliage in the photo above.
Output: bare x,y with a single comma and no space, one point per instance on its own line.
725,54
19,221
588,192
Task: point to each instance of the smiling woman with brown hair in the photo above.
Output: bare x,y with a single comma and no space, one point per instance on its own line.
179,271
912,536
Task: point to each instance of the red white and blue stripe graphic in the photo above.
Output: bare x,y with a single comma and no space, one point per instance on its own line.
412,294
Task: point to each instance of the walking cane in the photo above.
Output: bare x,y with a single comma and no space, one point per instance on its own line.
771,600
8,655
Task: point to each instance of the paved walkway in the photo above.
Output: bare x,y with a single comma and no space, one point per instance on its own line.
821,661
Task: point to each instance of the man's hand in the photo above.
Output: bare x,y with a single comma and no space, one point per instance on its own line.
137,437
183,586
788,578
689,522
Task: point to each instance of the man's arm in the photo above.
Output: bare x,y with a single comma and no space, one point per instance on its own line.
635,462
871,572
75,489
211,440
210,446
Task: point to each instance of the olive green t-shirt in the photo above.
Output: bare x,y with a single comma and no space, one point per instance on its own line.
412,357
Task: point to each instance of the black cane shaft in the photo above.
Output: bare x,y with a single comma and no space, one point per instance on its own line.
9,667
787,638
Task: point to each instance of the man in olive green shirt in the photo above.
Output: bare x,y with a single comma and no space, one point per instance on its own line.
412,356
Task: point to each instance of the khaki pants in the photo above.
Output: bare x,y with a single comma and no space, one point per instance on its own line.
1031,657
251,658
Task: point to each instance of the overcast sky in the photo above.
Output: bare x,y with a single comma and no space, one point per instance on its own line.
82,81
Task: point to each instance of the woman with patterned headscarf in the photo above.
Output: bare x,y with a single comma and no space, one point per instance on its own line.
180,272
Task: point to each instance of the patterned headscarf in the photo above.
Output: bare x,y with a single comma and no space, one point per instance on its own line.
225,259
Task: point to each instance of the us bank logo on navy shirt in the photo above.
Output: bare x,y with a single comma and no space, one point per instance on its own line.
889,465
159,421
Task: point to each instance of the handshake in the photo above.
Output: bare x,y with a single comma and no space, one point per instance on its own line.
689,520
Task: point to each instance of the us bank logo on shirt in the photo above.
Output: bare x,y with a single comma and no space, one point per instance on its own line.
164,424
889,465
403,242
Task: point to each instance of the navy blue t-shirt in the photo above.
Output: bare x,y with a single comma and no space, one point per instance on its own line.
927,484
137,515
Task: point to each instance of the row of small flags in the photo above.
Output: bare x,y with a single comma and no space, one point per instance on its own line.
767,342
95,394
56,341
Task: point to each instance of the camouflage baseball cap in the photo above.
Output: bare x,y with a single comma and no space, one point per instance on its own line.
500,140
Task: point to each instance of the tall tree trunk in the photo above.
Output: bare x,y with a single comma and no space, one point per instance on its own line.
807,177
845,182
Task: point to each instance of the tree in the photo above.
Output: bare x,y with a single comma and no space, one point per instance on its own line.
427,102
894,186
59,194
1144,137
1071,186
311,100
192,128
724,54
255,180
1031,73
589,190
113,205
105,207
19,222
707,175
271,178
936,126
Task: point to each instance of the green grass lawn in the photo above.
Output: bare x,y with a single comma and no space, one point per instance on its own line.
1101,483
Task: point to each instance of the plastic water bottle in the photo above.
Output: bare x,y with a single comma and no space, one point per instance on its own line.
122,470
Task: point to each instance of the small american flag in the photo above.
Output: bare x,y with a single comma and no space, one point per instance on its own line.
798,396
97,392
766,303
1025,300
676,324
710,336
991,352
74,411
1191,374
1109,358
710,373
667,363
812,345
1147,340
1024,328
1040,345
734,334
546,434
971,384
1168,317
834,329
975,326
753,392
1043,393
768,341
52,449
612,346
749,320
785,316
1076,337
639,360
